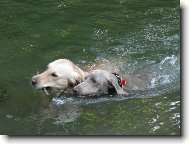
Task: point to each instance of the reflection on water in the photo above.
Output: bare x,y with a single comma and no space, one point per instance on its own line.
64,114
68,114
140,37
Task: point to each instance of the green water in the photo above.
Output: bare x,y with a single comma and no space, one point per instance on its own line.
136,35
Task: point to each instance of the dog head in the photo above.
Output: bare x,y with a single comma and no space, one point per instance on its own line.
59,75
97,83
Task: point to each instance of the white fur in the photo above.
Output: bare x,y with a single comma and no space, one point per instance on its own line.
67,74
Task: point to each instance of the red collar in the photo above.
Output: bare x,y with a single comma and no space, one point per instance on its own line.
122,82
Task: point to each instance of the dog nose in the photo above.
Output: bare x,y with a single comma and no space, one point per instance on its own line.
34,81
75,91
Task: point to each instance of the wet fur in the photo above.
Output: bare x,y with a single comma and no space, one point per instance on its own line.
100,82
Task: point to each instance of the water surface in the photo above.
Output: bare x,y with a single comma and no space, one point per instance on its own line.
141,36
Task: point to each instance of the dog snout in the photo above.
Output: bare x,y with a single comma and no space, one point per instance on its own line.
34,81
75,91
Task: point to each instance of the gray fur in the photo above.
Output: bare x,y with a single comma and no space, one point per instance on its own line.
101,82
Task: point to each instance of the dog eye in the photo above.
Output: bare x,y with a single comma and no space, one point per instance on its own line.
93,80
54,75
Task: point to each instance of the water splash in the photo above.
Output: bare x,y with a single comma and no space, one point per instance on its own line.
167,71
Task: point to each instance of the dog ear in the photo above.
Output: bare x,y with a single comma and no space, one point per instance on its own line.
78,80
114,84
75,79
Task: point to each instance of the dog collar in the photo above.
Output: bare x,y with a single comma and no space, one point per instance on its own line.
121,82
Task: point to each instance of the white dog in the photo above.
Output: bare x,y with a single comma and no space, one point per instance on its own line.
59,76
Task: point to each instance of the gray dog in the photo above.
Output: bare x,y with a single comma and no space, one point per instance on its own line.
101,82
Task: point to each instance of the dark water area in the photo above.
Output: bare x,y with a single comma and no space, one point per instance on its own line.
135,35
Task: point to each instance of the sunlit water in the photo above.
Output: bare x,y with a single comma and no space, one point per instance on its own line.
138,36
